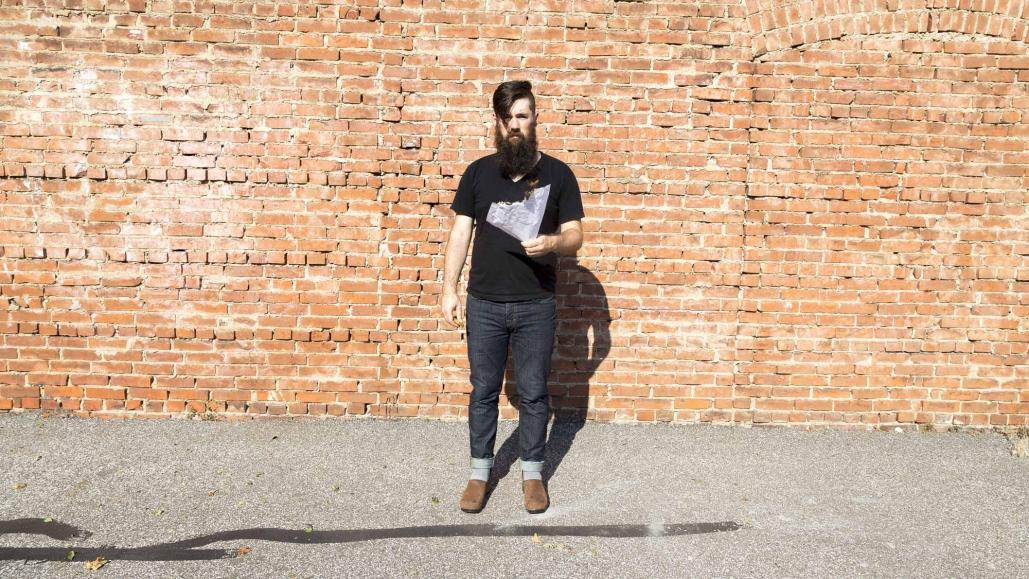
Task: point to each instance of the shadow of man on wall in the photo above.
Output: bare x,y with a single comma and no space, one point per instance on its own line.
582,342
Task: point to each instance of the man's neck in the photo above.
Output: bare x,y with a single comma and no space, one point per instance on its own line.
517,178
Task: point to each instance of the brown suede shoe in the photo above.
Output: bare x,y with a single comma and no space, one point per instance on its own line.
474,497
536,499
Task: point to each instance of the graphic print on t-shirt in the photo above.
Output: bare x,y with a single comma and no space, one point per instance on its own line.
521,219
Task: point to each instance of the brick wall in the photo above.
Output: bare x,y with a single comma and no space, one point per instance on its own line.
797,212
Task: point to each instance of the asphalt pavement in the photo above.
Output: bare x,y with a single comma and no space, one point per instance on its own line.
378,498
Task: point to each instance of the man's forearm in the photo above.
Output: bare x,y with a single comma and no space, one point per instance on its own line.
453,264
568,242
452,272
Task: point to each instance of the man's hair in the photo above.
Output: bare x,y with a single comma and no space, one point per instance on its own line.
508,92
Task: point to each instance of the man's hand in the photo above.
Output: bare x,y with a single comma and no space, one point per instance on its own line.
451,309
540,246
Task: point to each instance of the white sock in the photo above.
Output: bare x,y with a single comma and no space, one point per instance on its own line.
532,470
481,468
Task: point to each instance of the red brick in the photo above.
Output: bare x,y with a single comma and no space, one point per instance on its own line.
785,242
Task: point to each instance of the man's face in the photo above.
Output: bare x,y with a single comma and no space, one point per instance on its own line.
519,122
515,139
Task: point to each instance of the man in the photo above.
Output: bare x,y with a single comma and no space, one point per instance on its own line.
510,287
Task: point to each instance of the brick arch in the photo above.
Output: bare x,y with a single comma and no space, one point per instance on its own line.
779,25
886,218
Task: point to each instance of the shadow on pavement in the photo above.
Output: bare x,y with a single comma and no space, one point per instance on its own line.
582,311
186,550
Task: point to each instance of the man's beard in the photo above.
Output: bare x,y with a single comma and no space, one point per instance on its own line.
517,153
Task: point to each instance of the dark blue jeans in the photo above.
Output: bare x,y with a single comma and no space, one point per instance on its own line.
528,326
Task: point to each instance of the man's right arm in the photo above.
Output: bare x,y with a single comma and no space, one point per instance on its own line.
456,252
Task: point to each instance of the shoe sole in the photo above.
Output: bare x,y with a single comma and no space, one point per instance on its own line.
473,511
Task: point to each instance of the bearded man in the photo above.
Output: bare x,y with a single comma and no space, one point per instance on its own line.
511,288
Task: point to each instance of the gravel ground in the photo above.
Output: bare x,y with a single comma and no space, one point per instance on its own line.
376,498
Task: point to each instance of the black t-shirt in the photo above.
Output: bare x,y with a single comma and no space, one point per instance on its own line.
501,271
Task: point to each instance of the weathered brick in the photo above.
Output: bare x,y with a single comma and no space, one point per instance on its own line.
815,223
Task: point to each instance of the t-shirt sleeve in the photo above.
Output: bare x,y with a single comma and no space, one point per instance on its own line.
569,207
464,199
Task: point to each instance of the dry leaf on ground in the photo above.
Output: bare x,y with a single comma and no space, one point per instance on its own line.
96,563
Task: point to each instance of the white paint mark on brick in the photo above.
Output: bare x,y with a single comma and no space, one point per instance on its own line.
85,81
125,102
385,252
78,170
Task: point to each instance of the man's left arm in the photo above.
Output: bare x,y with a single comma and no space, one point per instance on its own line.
567,242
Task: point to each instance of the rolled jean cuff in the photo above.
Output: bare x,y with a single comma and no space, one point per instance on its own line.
482,462
532,466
